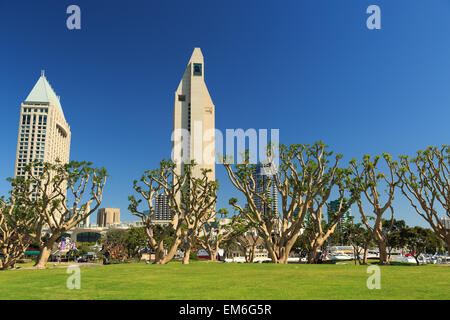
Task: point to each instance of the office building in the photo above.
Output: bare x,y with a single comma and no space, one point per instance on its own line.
162,210
108,216
194,114
333,209
265,184
44,133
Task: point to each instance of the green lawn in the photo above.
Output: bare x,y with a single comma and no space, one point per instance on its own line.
202,280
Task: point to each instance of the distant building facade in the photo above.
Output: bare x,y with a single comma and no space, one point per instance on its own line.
265,184
162,213
108,216
162,210
333,210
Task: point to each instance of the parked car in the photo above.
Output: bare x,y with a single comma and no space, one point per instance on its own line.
82,259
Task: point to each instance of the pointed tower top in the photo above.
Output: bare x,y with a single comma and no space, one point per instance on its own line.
43,93
197,56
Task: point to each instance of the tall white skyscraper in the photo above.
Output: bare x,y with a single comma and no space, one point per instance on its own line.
44,133
194,113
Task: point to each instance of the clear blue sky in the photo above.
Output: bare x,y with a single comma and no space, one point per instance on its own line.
309,68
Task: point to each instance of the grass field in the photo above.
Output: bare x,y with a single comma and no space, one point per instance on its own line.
202,280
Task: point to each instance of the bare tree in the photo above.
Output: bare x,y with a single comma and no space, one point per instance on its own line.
425,182
248,243
304,179
49,200
153,184
198,199
18,226
191,201
320,229
355,233
368,179
214,232
247,237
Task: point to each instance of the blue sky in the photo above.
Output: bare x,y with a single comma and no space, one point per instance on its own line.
309,68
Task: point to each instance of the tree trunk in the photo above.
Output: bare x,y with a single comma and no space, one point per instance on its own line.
159,253
287,249
212,255
43,256
4,262
272,252
313,252
365,255
187,248
187,252
447,240
311,256
384,260
358,252
284,258
171,253
251,258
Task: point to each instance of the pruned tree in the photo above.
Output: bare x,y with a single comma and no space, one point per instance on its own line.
18,227
136,239
366,242
163,233
302,244
353,233
426,183
197,204
419,240
368,179
320,229
214,232
115,245
392,229
248,244
304,179
191,201
156,183
62,195
246,237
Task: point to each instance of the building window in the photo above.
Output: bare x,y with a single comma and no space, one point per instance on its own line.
197,69
181,97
